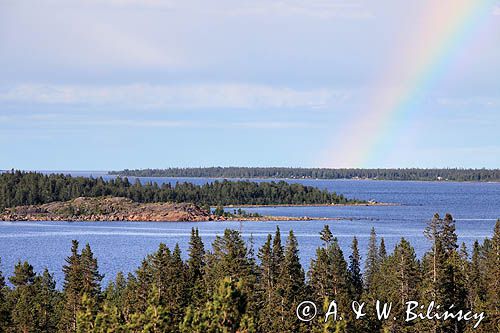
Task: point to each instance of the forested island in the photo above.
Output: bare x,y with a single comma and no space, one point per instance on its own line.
18,188
124,209
452,174
236,288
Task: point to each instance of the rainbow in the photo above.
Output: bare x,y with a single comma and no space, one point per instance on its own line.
446,28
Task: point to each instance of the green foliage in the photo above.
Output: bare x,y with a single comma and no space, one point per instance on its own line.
290,286
372,262
30,188
225,312
4,305
228,290
356,279
195,268
329,277
81,277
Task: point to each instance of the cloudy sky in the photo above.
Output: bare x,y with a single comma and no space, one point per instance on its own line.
111,84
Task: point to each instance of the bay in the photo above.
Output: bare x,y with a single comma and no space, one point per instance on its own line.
120,246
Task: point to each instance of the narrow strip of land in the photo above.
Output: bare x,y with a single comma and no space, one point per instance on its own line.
124,209
444,174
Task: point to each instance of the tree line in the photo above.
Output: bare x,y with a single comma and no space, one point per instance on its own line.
30,188
453,174
233,288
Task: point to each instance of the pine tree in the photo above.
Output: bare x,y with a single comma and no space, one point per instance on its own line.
155,319
23,298
444,281
24,275
85,318
110,319
226,312
435,256
398,282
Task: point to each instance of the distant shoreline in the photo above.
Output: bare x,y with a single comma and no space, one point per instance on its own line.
287,173
100,173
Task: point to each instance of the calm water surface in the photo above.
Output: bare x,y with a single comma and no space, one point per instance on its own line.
120,246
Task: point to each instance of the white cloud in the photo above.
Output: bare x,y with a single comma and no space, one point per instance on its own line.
314,8
488,102
56,122
323,9
204,124
146,96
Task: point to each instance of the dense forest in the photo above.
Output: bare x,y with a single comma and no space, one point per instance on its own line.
319,173
233,288
29,188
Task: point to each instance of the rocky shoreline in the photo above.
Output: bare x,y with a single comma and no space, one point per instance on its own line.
123,209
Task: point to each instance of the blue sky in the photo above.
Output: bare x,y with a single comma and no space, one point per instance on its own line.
111,84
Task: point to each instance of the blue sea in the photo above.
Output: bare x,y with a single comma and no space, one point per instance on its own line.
121,246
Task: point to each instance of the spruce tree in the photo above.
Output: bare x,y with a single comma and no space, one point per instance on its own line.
91,284
382,251
228,259
4,305
160,266
139,287
266,285
115,292
72,290
290,286
356,279
46,302
326,234
277,249
372,259
477,284
195,268
493,278
177,294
